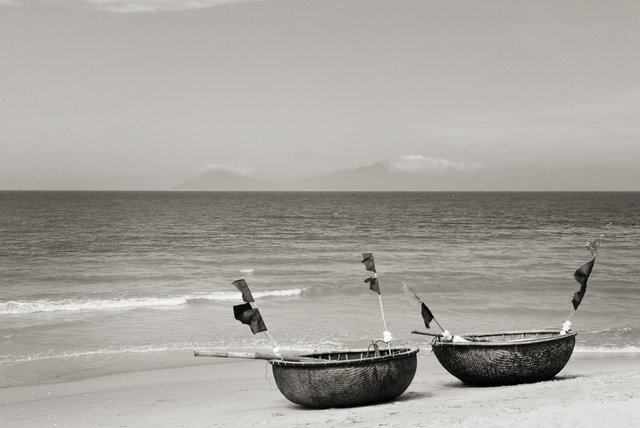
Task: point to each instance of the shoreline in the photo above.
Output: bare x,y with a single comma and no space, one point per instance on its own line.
83,367
593,389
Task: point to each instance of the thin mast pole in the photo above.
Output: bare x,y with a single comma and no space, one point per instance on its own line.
415,295
436,321
384,322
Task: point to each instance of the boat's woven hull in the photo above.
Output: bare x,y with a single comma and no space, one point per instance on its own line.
352,381
506,358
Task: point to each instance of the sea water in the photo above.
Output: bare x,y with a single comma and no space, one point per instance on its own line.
97,282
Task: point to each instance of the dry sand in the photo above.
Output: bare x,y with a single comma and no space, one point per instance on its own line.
596,390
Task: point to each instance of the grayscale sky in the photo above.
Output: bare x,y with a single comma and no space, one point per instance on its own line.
144,94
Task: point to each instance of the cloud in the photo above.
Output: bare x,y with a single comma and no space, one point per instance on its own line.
133,6
126,6
425,164
232,169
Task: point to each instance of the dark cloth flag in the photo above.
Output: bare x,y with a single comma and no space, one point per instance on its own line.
427,316
577,297
373,284
250,316
242,286
581,275
367,259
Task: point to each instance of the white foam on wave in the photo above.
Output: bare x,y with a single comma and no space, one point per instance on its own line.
17,307
608,349
248,345
94,352
612,330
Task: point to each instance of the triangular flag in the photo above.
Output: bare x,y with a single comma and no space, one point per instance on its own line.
250,316
367,259
577,297
373,284
582,275
427,316
242,286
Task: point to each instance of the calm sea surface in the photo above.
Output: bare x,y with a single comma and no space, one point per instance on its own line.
95,280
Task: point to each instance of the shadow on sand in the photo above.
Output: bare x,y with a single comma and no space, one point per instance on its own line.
460,384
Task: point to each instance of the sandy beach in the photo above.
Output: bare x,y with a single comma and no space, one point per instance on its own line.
592,390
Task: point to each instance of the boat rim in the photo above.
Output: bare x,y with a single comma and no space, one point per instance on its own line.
505,343
402,351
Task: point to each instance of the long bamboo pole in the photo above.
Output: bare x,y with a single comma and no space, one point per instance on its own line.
438,324
386,335
384,322
253,355
426,333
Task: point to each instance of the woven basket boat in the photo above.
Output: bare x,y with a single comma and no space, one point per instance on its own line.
506,358
346,378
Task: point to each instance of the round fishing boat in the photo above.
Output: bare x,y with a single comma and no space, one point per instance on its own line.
346,378
506,358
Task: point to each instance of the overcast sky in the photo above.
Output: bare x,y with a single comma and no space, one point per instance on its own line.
144,94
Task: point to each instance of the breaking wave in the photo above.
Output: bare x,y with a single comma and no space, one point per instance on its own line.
16,307
608,349
92,352
234,345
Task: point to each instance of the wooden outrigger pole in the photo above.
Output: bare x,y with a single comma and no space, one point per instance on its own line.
252,355
426,333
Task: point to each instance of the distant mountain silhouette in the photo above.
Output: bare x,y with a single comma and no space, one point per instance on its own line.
378,177
225,181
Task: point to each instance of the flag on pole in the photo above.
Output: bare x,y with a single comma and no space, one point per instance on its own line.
373,284
581,275
427,316
367,259
250,316
242,286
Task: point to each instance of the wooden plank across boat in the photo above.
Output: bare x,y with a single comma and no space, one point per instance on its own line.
346,378
506,358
